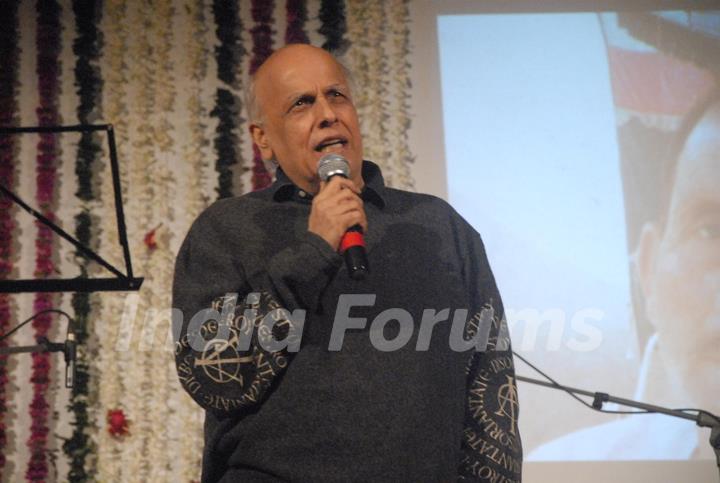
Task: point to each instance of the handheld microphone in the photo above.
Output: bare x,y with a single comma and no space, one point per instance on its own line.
352,244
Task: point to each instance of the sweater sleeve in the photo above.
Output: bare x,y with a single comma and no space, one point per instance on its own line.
238,324
491,448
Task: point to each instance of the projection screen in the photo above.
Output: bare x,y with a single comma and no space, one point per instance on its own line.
584,147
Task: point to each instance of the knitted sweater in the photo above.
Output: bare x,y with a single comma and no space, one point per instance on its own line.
367,380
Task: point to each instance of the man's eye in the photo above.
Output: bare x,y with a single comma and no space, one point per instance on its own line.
302,101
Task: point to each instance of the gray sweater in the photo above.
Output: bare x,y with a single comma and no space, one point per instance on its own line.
350,409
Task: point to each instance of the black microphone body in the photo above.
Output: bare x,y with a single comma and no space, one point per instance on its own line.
352,244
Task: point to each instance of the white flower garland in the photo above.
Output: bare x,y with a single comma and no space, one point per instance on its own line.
110,387
357,27
163,379
399,18
382,95
378,86
138,362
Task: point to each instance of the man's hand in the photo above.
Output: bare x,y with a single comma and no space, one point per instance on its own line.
336,208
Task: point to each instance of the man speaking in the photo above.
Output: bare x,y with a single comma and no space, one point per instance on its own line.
311,369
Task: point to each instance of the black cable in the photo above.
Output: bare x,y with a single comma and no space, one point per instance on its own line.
24,322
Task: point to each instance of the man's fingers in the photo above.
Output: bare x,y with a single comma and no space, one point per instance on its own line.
360,219
335,208
336,184
329,200
351,218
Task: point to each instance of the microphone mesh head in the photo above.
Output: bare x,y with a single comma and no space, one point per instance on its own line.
333,164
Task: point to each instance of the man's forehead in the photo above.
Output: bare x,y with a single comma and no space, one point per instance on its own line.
697,174
292,91
302,69
307,77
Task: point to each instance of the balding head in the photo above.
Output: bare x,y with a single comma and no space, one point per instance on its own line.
301,107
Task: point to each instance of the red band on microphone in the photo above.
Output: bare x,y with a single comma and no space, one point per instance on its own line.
351,239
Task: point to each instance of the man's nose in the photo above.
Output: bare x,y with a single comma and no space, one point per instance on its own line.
326,112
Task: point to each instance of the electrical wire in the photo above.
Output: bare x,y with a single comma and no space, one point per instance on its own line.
27,321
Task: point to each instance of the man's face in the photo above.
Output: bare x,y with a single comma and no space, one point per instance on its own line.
306,111
682,280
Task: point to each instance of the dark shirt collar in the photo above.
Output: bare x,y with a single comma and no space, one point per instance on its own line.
283,188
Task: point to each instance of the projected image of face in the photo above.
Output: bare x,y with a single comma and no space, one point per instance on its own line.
680,267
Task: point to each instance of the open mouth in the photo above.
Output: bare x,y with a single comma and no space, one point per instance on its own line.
330,144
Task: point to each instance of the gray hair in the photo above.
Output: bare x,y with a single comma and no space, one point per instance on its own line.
254,112
250,98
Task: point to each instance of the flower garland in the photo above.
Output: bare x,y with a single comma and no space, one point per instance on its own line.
399,18
332,18
9,54
136,366
160,261
296,12
379,62
196,70
48,70
229,51
377,68
227,110
357,32
262,32
112,391
87,79
227,105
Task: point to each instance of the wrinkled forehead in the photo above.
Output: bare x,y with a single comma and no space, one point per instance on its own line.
296,72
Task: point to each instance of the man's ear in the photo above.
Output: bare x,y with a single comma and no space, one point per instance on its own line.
645,261
260,138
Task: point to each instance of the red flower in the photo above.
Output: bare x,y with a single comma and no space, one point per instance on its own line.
117,423
150,241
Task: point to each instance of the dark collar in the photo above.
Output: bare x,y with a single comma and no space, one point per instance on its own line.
283,188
